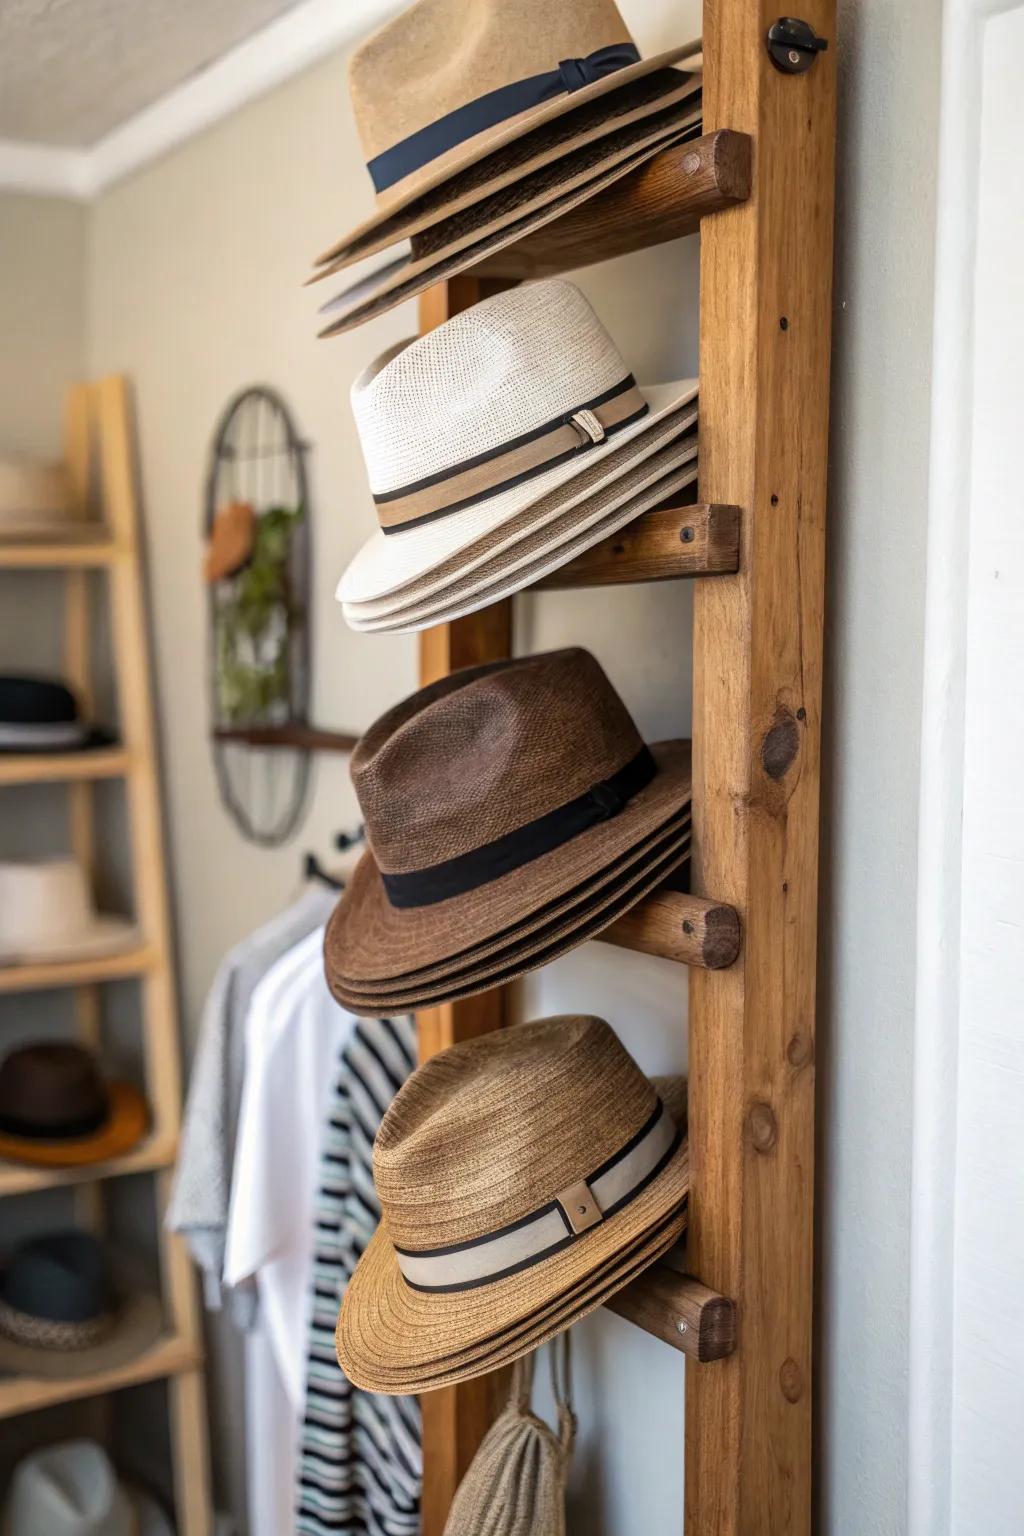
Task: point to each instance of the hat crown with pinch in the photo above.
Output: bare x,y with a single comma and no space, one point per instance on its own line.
439,55
485,751
510,366
489,1130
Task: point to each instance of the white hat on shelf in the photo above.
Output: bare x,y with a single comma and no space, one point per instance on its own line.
46,913
72,1489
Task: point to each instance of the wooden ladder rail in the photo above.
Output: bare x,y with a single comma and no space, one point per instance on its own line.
765,329
100,459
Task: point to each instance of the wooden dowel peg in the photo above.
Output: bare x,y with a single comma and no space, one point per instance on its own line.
680,1311
680,927
663,545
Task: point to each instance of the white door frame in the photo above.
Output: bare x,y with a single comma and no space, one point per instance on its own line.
937,1009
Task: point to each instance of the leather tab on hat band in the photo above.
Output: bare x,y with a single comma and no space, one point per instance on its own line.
493,108
479,866
546,1231
520,459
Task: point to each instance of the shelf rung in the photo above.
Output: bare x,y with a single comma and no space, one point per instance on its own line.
680,1311
169,1356
54,556
20,1179
661,200
59,767
668,543
680,927
76,973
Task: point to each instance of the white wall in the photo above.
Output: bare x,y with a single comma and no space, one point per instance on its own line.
988,1269
194,289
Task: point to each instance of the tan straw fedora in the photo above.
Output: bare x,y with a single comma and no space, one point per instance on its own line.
486,796
493,425
513,1170
448,84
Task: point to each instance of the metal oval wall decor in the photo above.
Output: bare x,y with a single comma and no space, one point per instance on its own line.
257,560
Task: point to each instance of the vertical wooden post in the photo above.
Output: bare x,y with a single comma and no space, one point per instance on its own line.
160,1019
455,1419
766,268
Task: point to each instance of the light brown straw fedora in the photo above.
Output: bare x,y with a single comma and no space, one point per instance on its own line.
486,796
511,1170
490,427
447,84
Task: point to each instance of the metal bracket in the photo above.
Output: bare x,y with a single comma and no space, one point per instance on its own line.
793,45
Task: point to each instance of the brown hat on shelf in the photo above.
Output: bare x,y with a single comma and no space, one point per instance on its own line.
230,541
456,100
524,1177
56,1110
61,1313
497,795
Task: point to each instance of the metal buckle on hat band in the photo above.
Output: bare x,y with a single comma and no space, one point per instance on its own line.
564,1220
512,463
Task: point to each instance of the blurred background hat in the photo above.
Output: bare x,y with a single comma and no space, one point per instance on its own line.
72,1489
40,714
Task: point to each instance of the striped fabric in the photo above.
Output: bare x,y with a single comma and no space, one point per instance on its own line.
360,1455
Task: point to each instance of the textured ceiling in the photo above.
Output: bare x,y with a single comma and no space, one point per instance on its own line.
71,70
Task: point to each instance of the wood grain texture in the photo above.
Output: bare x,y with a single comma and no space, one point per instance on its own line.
662,200
297,736
680,1311
456,1419
677,926
663,545
766,270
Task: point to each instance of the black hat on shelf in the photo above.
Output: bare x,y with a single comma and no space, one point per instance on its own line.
42,715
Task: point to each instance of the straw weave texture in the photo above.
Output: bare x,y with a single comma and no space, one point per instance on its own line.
489,1130
516,1483
487,376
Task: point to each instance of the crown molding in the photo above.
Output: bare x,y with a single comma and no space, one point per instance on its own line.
287,46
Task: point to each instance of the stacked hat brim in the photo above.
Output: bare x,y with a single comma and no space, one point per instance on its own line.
467,239
392,1338
386,943
529,142
44,740
105,936
411,577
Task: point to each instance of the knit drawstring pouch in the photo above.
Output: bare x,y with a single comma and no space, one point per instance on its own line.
516,1483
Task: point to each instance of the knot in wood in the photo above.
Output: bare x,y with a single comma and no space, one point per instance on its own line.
800,1050
762,1127
791,1380
780,745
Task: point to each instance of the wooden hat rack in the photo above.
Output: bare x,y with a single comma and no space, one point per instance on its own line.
759,187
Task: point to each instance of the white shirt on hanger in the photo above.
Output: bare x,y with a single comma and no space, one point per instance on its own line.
294,1033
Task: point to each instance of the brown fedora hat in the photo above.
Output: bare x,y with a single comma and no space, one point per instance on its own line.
487,795
448,83
575,927
56,1110
512,1170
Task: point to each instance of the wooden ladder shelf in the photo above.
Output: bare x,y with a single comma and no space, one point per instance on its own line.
99,454
759,186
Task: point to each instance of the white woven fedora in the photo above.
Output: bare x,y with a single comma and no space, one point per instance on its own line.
521,403
448,84
609,485
72,1490
46,914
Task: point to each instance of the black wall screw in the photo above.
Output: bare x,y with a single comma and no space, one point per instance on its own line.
793,45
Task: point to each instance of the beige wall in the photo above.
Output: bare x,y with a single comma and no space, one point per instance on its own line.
194,288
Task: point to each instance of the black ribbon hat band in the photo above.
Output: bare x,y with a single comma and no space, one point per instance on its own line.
479,866
495,107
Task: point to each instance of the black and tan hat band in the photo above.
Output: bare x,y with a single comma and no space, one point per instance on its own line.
565,1218
488,474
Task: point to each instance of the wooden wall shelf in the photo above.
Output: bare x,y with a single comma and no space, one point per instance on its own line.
662,200
44,974
21,1179
296,736
63,767
663,545
680,927
680,1311
170,1356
